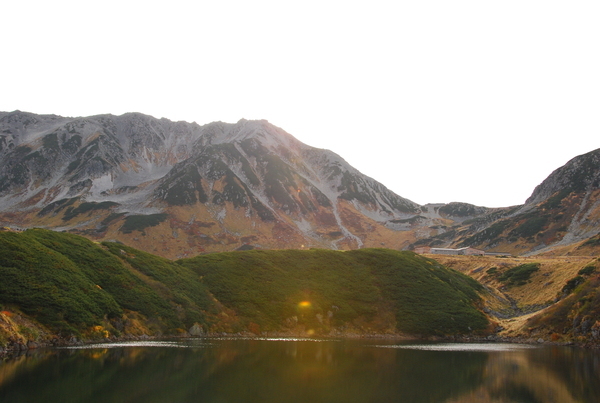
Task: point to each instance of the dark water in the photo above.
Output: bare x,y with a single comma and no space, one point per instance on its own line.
312,371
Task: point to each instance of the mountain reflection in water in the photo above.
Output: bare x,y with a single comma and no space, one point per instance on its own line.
302,370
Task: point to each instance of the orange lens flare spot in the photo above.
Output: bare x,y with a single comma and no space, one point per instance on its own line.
305,304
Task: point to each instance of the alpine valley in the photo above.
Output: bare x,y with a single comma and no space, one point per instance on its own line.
151,188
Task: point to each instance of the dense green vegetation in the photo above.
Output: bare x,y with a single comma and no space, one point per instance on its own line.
70,283
87,207
555,201
175,283
519,275
587,270
593,241
489,235
428,298
322,288
57,206
141,222
50,141
351,189
532,225
411,220
582,274
459,209
50,287
572,284
183,187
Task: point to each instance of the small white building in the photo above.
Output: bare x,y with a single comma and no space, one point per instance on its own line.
462,251
468,251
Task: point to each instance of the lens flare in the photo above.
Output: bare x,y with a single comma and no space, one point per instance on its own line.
305,304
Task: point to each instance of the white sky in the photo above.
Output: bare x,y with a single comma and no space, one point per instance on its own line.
473,101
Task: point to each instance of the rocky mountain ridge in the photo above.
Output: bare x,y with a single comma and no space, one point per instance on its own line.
213,187
179,189
563,210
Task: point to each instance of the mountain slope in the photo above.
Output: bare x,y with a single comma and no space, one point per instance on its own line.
71,286
381,290
563,210
213,187
48,158
179,189
553,298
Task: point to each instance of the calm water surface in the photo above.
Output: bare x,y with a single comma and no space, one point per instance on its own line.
301,370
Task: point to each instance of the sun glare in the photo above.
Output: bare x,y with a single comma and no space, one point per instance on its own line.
304,304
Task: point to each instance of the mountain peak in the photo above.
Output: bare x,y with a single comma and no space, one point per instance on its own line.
580,174
221,186
248,182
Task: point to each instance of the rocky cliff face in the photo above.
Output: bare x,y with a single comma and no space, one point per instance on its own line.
563,210
213,187
580,175
570,196
47,158
178,189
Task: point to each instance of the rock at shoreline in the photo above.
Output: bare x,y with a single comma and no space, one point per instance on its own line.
196,330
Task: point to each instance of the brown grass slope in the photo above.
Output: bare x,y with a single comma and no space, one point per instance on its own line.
560,301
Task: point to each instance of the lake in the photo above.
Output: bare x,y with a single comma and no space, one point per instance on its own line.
302,370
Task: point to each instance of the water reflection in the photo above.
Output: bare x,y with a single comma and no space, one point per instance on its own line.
228,370
528,376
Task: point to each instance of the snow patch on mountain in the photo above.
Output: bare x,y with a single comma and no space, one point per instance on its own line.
147,165
101,184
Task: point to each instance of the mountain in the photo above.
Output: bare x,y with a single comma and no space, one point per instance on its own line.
179,189
188,188
561,216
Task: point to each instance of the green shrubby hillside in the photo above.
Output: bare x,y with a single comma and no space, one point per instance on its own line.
75,287
49,286
172,282
71,284
376,290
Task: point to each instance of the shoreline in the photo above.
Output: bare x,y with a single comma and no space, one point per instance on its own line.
20,349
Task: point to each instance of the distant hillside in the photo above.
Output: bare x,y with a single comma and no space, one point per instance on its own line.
552,298
563,210
62,285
